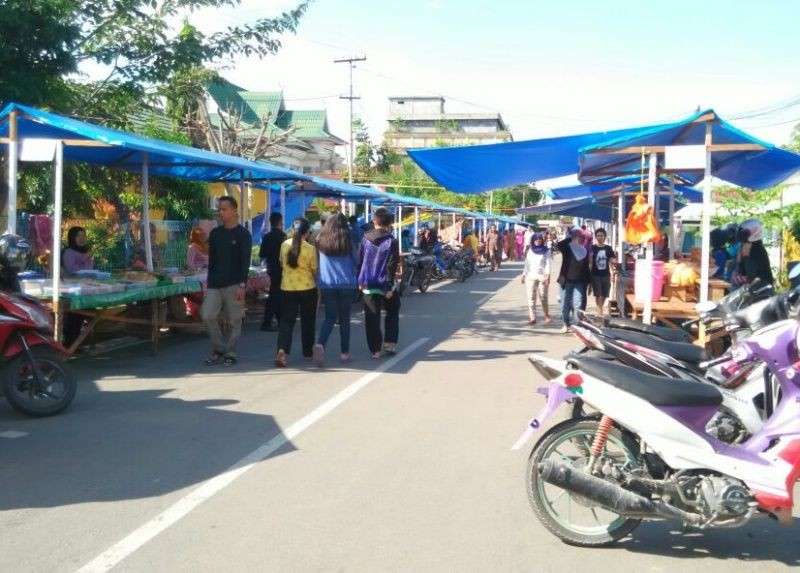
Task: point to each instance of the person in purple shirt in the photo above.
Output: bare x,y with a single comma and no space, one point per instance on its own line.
76,256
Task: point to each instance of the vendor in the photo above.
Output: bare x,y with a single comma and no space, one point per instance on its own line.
76,256
753,257
197,253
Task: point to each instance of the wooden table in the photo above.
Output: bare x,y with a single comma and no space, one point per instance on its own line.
665,309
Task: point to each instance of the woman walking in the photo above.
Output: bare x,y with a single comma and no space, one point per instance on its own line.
299,292
536,276
337,284
573,276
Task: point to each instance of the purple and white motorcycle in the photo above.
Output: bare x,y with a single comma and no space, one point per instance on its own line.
646,453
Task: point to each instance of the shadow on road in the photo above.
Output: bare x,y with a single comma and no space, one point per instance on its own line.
129,443
761,540
125,445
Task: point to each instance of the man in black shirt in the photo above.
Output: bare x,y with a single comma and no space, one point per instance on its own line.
270,252
228,268
601,261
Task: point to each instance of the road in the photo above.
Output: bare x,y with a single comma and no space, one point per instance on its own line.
165,465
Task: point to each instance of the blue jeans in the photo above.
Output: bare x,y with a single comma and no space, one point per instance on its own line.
573,296
338,302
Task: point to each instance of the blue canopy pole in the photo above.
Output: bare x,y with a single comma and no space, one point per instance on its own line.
705,226
671,216
58,194
416,227
267,212
283,204
148,243
13,151
647,312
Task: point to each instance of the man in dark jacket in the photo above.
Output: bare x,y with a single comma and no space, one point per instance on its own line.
228,268
270,253
378,260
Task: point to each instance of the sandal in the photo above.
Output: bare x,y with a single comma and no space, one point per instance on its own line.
214,360
280,359
229,360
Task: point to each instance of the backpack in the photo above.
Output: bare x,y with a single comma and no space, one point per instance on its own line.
374,266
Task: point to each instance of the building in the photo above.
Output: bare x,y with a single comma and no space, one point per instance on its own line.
307,145
419,121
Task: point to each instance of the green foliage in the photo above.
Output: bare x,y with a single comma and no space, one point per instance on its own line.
447,125
108,246
39,40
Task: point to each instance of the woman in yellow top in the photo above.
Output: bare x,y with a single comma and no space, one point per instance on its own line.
299,292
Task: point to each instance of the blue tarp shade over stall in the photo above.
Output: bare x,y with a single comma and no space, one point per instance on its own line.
480,168
592,208
127,151
747,167
630,185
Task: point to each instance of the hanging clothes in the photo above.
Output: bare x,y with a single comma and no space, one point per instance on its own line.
641,226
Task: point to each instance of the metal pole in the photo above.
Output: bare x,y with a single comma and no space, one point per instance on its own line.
647,312
491,202
399,227
351,64
13,158
416,226
438,221
58,194
621,223
283,206
671,217
705,225
148,242
267,211
366,210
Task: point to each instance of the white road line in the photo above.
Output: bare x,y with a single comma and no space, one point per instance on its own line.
486,299
13,434
124,548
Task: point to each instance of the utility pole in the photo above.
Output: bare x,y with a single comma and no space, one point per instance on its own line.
351,62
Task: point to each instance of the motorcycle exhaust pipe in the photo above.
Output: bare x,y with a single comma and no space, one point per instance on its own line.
609,495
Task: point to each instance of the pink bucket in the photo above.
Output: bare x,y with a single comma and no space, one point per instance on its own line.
646,278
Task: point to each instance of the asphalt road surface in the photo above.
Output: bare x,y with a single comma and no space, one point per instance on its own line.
400,465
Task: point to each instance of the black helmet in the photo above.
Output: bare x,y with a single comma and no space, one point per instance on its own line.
15,252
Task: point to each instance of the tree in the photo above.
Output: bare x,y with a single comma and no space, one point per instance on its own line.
39,39
364,156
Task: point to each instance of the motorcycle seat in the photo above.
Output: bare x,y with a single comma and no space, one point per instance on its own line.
683,351
670,334
657,390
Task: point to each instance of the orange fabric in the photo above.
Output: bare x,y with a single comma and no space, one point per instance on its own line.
641,226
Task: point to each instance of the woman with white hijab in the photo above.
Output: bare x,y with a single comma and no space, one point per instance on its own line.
574,275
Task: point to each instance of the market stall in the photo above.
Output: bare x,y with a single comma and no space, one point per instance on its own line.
30,134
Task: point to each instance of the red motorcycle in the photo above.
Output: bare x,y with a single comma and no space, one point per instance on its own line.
34,378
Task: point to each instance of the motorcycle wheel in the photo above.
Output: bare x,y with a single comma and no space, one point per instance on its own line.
425,282
404,281
575,520
461,274
57,392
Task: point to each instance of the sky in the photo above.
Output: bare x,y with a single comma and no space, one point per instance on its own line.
549,68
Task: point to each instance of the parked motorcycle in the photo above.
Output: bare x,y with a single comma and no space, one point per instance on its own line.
34,378
646,453
417,271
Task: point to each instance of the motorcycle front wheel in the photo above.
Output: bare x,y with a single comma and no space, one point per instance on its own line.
571,518
425,281
49,395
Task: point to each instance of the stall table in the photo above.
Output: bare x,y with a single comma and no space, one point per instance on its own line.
106,306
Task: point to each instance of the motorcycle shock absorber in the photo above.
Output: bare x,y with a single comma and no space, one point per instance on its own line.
600,439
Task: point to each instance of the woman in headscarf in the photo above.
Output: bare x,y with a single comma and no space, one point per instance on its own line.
574,275
76,256
753,258
519,239
536,276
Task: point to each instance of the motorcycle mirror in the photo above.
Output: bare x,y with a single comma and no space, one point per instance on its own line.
795,272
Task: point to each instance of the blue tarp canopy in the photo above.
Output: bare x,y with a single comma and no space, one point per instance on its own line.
127,151
600,209
629,185
753,168
480,168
